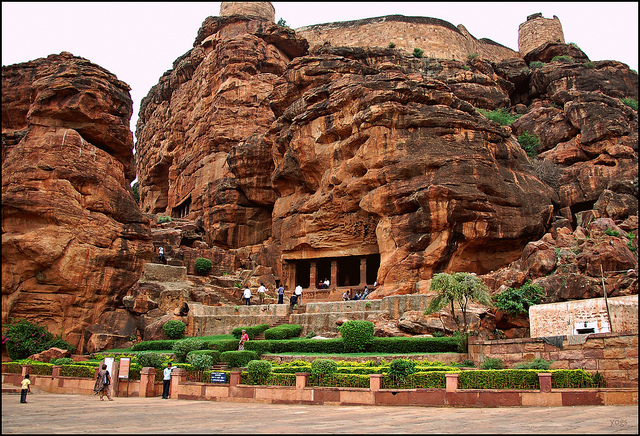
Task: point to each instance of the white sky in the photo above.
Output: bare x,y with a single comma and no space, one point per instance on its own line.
138,41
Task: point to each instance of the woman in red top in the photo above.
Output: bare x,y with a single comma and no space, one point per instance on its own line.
243,338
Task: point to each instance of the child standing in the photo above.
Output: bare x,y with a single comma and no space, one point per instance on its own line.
26,387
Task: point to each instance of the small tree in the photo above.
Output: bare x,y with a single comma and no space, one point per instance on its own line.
356,335
400,369
457,289
203,266
174,329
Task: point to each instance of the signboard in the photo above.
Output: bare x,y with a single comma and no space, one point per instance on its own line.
109,362
218,377
124,367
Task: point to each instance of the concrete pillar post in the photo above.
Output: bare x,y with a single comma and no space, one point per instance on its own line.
545,381
55,371
178,376
147,382
26,369
375,382
302,379
363,271
452,382
234,378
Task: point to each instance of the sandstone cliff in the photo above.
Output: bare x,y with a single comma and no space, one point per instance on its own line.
73,238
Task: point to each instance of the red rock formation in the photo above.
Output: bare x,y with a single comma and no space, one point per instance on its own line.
73,238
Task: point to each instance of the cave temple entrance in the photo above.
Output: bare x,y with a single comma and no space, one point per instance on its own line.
354,271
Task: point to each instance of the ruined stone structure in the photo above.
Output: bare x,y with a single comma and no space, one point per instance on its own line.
258,10
438,38
618,314
538,30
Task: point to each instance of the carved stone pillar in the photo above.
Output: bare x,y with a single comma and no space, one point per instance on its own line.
334,273
313,275
363,271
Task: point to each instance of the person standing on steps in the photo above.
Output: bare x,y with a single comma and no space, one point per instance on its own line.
281,295
247,296
261,293
161,257
298,292
166,380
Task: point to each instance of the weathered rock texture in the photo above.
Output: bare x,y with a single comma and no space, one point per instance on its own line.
73,238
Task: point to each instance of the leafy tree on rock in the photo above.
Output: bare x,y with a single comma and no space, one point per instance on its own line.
458,289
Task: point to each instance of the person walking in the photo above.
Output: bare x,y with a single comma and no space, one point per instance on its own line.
247,296
103,383
166,380
26,387
281,295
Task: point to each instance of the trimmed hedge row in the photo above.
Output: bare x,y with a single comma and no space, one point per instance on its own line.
336,346
154,345
238,359
77,371
283,331
252,331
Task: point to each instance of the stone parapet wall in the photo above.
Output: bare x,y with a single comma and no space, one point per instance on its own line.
164,273
538,30
614,355
327,322
437,38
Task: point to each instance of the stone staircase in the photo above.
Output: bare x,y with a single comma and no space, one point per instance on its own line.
279,321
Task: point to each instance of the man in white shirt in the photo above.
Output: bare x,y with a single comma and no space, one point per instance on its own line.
261,293
326,283
247,296
166,380
298,292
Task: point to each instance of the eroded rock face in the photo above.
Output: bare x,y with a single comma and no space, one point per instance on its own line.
396,163
73,238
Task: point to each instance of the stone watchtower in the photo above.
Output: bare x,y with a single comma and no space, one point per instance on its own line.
259,10
538,30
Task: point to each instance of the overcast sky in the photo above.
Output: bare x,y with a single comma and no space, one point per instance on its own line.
138,41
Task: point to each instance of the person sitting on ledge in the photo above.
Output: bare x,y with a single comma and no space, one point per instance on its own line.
345,296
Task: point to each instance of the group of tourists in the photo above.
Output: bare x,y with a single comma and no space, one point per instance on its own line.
295,298
357,296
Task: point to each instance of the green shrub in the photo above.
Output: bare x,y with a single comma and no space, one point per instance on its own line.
500,116
22,339
499,379
562,58
310,335
418,52
400,369
284,331
200,362
492,363
259,371
149,359
392,45
203,266
252,331
611,232
62,361
77,371
13,367
356,335
213,354
536,64
182,347
589,65
472,56
515,301
529,143
174,329
570,378
238,359
537,363
323,367
633,104
163,219
340,380
153,345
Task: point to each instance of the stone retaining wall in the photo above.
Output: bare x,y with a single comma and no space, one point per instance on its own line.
614,355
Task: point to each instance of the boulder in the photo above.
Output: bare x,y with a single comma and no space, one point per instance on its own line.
48,355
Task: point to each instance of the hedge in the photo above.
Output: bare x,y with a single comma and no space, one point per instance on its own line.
252,331
238,359
283,331
154,345
77,371
215,354
340,380
404,345
499,379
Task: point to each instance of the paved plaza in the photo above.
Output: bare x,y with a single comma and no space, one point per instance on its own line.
58,414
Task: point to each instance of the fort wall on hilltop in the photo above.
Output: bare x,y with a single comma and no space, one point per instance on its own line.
538,30
437,38
261,10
